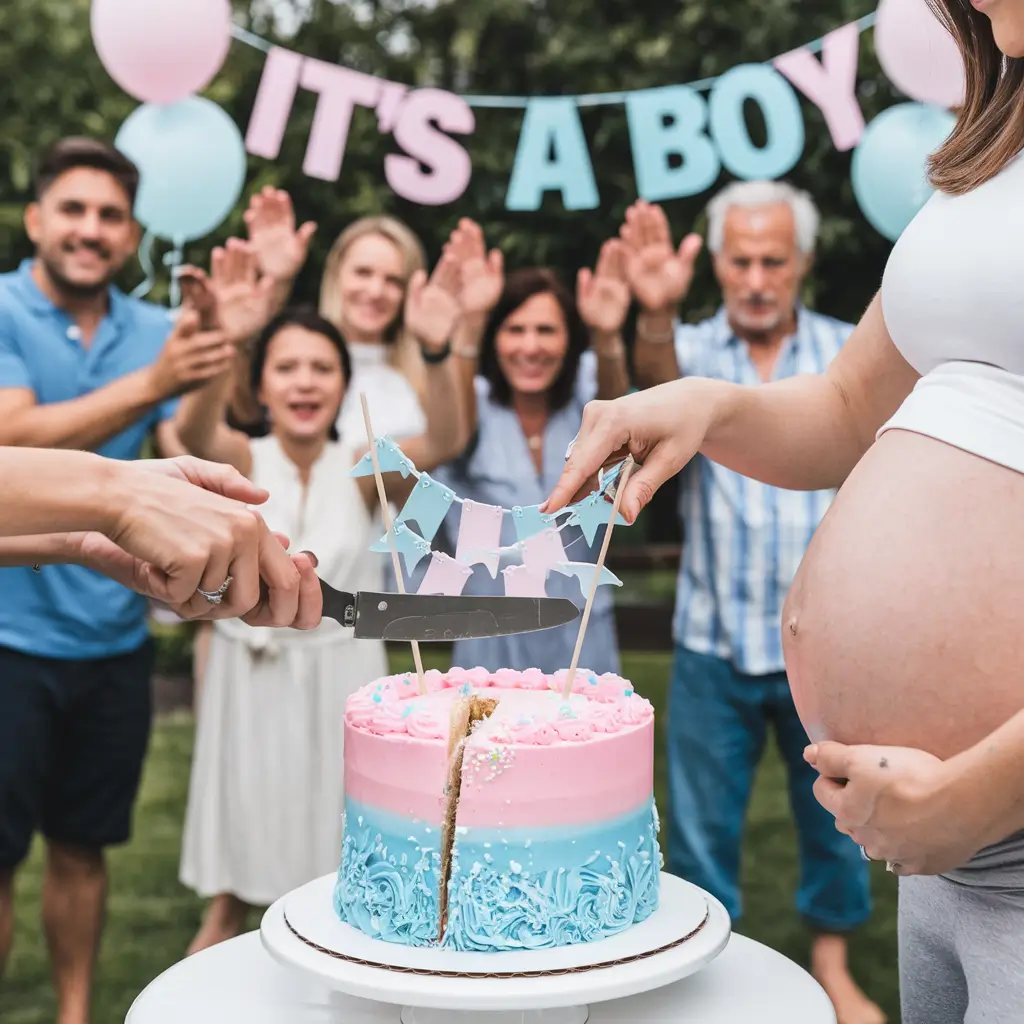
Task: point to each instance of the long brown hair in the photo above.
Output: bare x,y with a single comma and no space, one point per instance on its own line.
989,129
521,286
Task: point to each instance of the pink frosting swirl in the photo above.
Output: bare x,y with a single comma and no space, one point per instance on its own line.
425,724
534,679
478,676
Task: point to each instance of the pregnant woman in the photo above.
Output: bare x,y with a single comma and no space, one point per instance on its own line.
904,626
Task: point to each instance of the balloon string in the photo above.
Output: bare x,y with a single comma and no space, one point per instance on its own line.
146,261
173,259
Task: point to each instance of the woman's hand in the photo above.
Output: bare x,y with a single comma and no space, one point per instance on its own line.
244,300
482,273
659,275
902,806
181,525
432,306
280,248
662,428
603,295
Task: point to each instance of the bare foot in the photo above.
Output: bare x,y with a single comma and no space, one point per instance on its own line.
225,918
829,967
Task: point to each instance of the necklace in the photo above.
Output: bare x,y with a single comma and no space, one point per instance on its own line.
535,442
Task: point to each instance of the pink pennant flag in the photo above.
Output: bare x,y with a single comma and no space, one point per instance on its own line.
444,575
479,535
543,550
831,82
522,581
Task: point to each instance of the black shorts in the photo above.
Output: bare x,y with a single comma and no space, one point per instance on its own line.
73,736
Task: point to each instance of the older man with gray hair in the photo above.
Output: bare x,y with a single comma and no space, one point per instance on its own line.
744,541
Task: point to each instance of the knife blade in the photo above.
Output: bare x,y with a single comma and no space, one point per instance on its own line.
436,618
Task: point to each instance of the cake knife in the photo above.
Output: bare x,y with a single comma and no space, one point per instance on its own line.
429,617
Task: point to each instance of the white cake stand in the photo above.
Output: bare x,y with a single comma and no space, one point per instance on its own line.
549,986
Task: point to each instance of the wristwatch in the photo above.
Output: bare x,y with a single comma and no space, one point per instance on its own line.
439,356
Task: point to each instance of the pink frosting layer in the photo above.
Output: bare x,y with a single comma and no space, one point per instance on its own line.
610,706
408,782
539,760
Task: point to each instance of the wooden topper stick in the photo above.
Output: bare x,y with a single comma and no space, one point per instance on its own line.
620,487
386,511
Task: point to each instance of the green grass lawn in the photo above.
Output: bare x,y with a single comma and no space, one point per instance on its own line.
152,917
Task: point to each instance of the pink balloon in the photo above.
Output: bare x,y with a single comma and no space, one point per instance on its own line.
160,51
917,54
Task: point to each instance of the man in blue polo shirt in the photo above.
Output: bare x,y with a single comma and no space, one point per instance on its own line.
81,366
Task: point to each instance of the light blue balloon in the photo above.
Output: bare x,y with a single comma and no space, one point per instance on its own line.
890,164
552,125
783,120
191,161
653,142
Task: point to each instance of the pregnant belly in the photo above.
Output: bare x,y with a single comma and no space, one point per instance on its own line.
905,623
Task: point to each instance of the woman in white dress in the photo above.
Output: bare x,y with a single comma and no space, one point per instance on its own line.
266,793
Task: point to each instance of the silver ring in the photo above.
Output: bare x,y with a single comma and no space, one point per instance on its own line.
216,596
864,854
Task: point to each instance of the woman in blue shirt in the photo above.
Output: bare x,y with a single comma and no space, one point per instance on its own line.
542,357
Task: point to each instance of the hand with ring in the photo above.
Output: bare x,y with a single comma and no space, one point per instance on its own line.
180,531
901,806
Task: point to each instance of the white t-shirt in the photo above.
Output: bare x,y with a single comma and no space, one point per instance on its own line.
395,409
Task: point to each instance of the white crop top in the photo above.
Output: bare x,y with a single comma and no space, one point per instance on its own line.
954,284
953,302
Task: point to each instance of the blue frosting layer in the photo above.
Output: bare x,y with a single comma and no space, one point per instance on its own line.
554,887
510,888
389,878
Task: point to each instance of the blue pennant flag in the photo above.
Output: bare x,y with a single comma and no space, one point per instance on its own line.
584,572
390,457
529,520
411,546
590,513
427,505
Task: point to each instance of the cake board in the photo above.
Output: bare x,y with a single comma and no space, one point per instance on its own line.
546,986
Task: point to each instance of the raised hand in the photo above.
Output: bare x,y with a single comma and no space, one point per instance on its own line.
432,306
244,300
190,356
603,295
659,275
280,248
196,294
482,273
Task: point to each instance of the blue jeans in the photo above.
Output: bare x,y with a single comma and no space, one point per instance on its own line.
717,724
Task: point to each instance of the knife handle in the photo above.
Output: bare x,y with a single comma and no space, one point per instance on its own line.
338,605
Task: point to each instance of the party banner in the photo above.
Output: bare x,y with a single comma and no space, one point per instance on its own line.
538,548
682,136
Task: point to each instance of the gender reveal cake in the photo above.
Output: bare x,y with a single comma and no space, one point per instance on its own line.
490,813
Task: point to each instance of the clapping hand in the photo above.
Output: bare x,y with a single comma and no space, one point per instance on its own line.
659,275
244,300
482,273
603,295
432,306
280,248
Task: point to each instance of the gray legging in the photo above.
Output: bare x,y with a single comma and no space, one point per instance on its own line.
961,941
